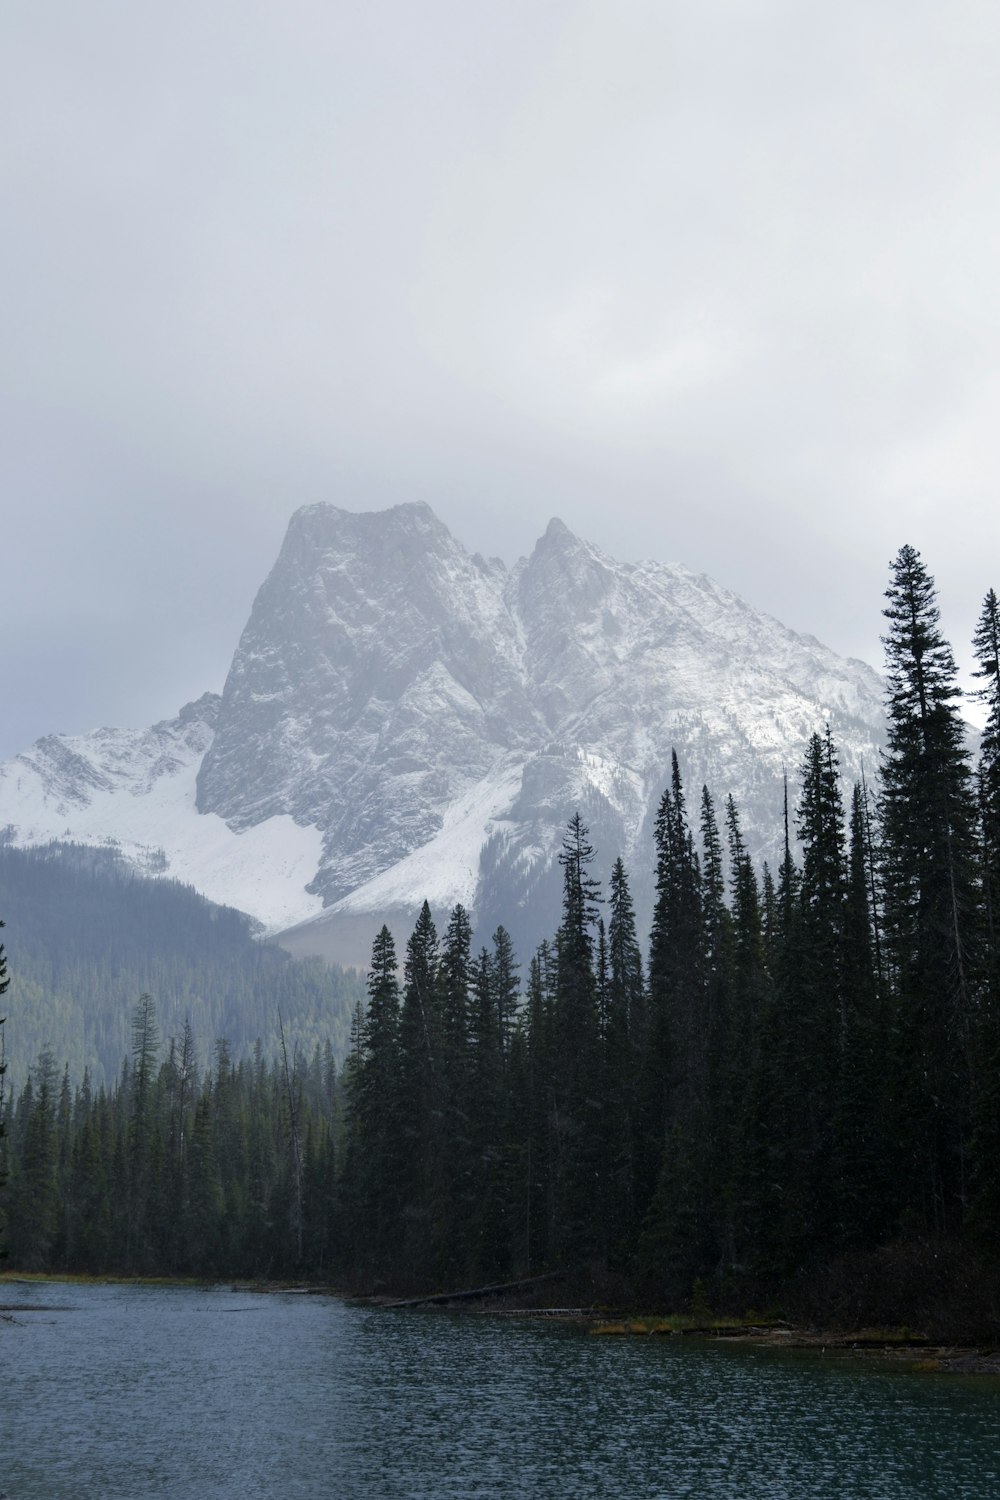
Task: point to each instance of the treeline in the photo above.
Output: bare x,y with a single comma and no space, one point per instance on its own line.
87,936
807,1065
804,1065
175,1172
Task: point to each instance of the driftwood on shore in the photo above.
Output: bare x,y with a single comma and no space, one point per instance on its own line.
477,1293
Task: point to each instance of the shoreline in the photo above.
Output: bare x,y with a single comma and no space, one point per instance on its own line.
911,1349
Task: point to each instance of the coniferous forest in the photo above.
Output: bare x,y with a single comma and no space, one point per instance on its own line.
798,1079
89,936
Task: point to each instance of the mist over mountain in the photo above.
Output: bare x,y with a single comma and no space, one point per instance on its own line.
405,720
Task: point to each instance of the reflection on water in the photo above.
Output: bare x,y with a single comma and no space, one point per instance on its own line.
132,1392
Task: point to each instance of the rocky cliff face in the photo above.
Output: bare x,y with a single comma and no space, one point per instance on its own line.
435,718
378,678
387,681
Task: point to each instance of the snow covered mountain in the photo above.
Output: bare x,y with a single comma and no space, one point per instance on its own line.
402,720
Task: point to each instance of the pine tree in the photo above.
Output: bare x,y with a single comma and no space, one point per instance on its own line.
986,646
4,982
859,1122
577,1163
929,875
141,1180
738,1055
678,1030
454,1208
534,1112
985,1212
676,1067
421,1099
813,1008
34,1185
624,1036
485,1206
374,1165
504,970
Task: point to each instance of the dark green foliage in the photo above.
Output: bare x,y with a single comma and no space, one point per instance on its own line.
4,982
810,1073
986,646
624,1036
90,936
675,1120
576,1165
985,1085
859,1188
932,902
169,1173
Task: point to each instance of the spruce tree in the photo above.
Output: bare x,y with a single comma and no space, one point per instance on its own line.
622,1050
4,982
577,1121
745,990
985,1212
453,1212
538,1118
814,1005
374,1168
141,1178
986,647
676,1070
859,1123
929,877
484,1206
34,1185
421,1101
504,971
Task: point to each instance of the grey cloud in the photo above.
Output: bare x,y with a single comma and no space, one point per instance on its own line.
715,283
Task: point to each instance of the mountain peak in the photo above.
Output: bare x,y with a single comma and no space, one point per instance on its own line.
432,721
327,520
557,530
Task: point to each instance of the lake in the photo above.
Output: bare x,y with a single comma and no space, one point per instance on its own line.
124,1392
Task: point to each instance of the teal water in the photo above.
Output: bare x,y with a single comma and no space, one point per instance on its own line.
119,1393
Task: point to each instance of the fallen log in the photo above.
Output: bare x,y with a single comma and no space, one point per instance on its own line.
472,1294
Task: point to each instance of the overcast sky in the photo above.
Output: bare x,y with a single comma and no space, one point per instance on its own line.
717,282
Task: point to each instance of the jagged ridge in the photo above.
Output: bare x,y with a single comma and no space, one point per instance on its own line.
402,703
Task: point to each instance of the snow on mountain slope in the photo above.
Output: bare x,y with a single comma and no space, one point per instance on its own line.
377,680
402,719
136,789
445,870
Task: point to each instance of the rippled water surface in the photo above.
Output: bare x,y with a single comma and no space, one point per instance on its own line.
119,1393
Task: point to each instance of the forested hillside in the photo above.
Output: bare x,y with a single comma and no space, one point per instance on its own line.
799,1080
86,937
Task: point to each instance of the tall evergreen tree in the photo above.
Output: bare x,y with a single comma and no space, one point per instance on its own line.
34,1186
141,1178
929,874
676,1067
535,1112
986,646
374,1165
814,1004
456,1102
484,1205
624,1037
4,982
577,1122
859,1186
678,1032
506,986
746,982
421,1098
986,1030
